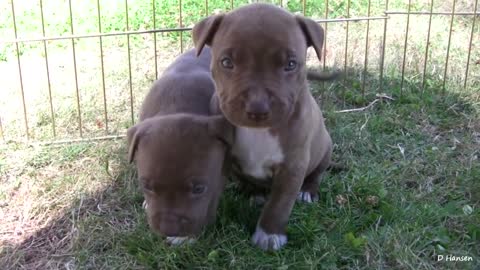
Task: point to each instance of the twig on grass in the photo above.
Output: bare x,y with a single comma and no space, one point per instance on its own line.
379,97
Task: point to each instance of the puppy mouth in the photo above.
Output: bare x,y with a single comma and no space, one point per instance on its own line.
172,226
174,230
257,123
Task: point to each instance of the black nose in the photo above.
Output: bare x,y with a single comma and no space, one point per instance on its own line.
257,110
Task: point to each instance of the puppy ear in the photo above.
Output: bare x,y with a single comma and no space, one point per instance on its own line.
313,32
219,127
204,31
133,137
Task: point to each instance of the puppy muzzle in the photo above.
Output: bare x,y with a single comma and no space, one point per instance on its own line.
257,111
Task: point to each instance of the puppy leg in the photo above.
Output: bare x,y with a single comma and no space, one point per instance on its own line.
309,190
270,232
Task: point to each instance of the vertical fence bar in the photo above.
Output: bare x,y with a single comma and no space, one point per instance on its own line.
365,63
470,44
281,3
155,38
304,6
405,47
206,7
20,72
129,63
103,67
231,4
346,49
1,129
75,71
48,72
181,25
424,80
325,37
323,95
448,46
382,57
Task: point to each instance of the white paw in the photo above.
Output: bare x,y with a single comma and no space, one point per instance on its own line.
145,205
267,241
178,240
305,196
258,200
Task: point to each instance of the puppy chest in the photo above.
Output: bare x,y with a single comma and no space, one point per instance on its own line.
257,152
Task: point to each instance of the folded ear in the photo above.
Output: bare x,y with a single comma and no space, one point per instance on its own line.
313,32
204,31
133,137
219,127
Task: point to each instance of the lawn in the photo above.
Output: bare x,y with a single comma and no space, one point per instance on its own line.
410,190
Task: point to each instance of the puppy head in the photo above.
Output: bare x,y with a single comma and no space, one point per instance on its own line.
179,160
258,61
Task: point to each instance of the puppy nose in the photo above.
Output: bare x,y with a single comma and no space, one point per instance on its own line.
257,111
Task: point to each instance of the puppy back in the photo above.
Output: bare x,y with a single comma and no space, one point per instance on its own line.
186,86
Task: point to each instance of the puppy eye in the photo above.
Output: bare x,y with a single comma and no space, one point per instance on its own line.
198,189
291,65
227,63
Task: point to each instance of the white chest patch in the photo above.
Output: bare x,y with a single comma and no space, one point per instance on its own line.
257,151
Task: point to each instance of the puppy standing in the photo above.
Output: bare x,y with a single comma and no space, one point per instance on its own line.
259,68
179,149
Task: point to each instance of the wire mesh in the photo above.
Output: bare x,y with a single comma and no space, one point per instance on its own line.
180,29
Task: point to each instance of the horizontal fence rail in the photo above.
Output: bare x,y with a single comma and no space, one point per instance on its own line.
163,30
396,12
370,17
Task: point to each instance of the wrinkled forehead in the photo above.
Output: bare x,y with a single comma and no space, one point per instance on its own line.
180,157
276,31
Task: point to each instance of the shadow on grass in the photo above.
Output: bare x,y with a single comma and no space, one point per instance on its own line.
408,194
107,228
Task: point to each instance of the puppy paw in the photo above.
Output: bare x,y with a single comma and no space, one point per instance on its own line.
305,196
257,200
267,241
144,205
178,240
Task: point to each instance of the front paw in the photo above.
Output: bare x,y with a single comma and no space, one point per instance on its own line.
267,241
257,200
178,240
306,196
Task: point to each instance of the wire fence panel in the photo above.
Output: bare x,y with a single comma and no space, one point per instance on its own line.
78,71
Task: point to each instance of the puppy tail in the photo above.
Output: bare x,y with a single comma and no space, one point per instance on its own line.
322,76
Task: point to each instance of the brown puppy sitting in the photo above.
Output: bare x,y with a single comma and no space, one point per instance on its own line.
179,149
259,68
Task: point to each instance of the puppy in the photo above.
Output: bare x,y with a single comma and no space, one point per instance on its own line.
259,68
179,149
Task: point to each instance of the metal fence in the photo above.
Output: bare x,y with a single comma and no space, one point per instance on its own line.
346,20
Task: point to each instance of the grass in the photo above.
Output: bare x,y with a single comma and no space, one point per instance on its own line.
409,193
411,189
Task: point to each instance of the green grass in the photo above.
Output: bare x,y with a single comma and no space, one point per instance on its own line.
411,189
388,209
